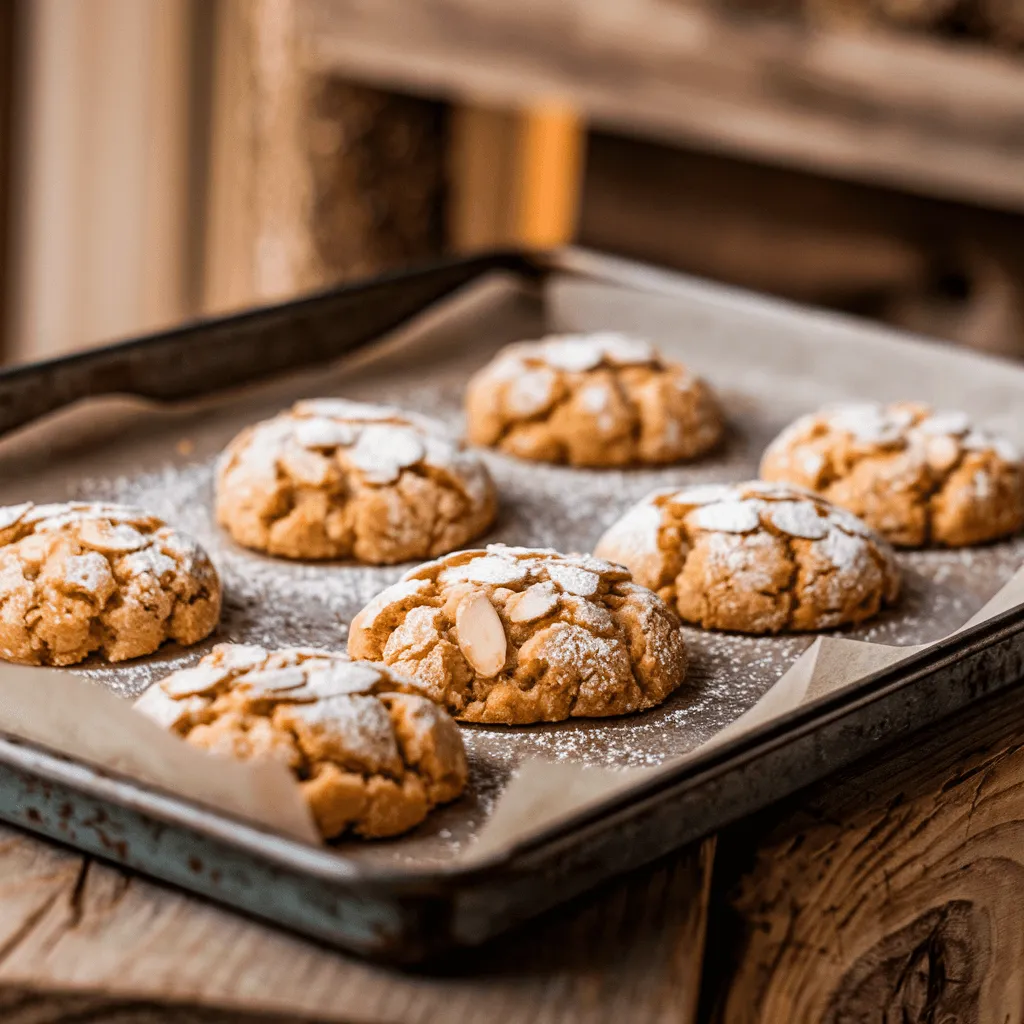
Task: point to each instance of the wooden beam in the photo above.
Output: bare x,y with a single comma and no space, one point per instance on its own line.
259,243
941,117
550,175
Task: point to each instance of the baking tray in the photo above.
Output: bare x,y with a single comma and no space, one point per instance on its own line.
413,897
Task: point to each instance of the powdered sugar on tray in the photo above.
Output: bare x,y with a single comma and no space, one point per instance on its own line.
274,603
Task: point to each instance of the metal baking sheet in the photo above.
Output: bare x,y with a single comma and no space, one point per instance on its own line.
769,362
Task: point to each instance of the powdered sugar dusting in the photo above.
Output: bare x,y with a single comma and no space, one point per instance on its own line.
272,603
574,353
726,517
798,519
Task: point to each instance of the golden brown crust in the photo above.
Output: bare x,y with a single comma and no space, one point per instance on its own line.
514,636
332,479
591,400
754,558
374,755
917,476
79,578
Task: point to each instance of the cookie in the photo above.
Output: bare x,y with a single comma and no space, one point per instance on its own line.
336,479
754,558
372,754
79,578
515,635
591,400
918,476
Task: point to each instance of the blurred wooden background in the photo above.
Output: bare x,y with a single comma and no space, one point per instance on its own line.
164,159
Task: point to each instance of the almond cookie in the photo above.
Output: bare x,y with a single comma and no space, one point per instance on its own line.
754,558
515,635
78,578
372,754
591,400
917,476
336,479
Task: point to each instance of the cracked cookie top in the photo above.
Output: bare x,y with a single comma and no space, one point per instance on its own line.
373,755
515,635
916,475
754,557
331,478
77,578
591,400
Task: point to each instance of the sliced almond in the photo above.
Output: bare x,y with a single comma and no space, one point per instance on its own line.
623,350
343,679
305,467
727,516
798,519
939,423
481,635
400,594
111,538
573,353
274,683
239,657
702,494
495,569
322,432
194,682
573,579
942,451
382,451
11,514
89,574
342,408
166,711
533,603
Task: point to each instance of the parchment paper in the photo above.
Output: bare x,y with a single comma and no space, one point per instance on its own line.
769,362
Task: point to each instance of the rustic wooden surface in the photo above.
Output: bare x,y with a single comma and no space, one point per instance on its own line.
937,116
891,895
125,945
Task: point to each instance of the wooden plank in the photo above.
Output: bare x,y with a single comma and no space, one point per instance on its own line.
482,175
888,895
259,241
550,176
68,925
100,232
516,177
938,117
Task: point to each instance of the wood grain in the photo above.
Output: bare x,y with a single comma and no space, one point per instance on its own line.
892,896
70,925
934,116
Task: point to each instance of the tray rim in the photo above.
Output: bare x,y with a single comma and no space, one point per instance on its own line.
334,866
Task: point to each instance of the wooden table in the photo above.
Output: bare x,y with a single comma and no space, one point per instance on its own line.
893,893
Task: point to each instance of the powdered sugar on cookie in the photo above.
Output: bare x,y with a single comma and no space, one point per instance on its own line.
511,635
80,578
602,399
754,558
907,469
336,479
373,755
